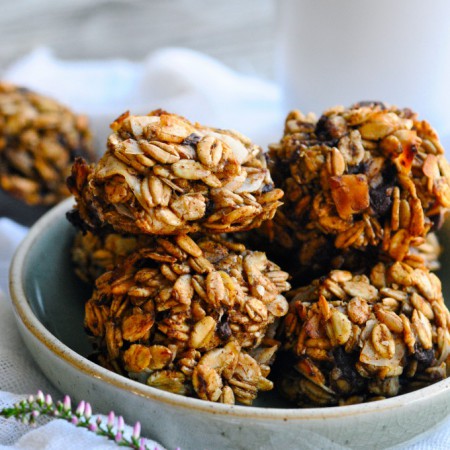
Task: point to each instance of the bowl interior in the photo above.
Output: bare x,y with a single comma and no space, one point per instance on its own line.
57,296
54,292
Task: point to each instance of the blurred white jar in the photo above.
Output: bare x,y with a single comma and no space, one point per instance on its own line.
342,51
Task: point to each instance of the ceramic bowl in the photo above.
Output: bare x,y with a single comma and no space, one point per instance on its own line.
48,302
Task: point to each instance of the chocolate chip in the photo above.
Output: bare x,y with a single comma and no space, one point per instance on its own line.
359,168
73,216
380,196
223,328
437,220
425,357
331,128
408,113
209,207
379,200
267,188
346,364
192,140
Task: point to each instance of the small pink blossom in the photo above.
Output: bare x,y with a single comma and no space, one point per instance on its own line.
48,400
136,430
111,418
88,411
67,405
120,424
80,408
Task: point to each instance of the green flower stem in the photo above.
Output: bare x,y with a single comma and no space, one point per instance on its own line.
27,411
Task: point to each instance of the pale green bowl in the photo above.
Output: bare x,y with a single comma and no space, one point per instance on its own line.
48,302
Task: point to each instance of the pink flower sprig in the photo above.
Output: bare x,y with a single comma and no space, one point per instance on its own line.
28,411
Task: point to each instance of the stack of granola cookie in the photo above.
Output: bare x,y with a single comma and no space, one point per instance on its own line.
365,188
177,304
180,303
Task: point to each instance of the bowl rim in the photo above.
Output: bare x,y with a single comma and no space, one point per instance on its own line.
39,333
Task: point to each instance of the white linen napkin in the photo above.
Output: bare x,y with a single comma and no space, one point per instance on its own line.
177,80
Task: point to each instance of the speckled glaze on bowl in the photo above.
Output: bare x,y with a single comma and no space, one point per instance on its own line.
48,302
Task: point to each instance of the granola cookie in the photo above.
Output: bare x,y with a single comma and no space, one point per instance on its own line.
39,140
370,178
163,175
354,338
191,316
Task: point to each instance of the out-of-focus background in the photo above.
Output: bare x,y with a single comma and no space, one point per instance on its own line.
318,53
240,33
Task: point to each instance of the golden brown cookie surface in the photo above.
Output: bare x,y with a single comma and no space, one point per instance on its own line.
39,140
370,178
164,175
192,316
354,338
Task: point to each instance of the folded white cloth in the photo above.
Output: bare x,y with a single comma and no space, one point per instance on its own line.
179,81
